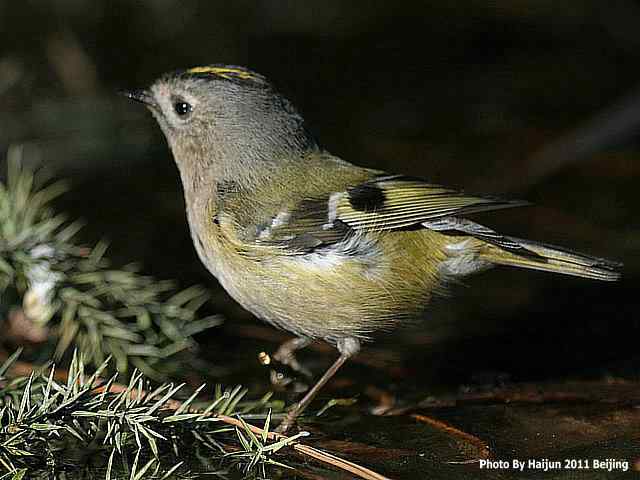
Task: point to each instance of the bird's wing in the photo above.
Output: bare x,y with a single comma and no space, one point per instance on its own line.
395,202
380,203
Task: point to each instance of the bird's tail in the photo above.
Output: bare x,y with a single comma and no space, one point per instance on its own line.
549,258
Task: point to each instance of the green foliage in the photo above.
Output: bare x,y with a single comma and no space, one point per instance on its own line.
128,432
257,451
88,304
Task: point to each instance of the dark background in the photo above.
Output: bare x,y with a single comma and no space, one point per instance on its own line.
531,99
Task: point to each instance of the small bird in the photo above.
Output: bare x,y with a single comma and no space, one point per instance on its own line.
309,242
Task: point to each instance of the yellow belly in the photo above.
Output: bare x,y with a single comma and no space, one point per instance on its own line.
331,296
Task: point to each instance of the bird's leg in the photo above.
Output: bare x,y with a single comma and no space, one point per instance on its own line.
347,347
286,354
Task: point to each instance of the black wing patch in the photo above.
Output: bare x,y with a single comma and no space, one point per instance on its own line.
367,197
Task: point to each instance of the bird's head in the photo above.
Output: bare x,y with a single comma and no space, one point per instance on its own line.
226,116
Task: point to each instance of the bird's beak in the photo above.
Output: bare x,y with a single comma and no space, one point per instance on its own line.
140,95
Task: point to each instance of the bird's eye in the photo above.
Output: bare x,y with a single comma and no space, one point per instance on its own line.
182,108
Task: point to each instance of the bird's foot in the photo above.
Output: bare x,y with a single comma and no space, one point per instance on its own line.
286,355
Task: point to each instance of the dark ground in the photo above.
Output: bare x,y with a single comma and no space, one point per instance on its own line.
533,99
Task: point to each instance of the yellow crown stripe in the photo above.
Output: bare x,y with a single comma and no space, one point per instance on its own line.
225,72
